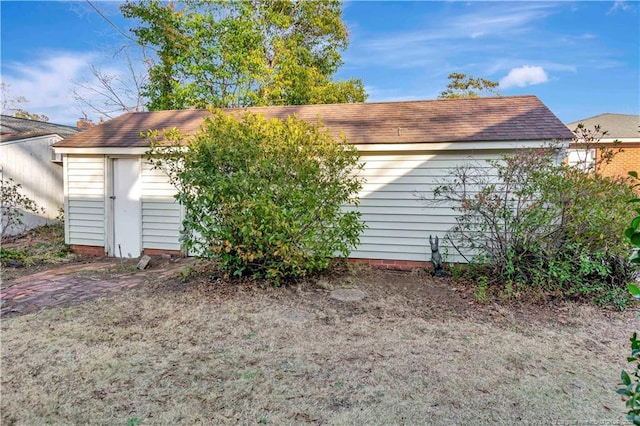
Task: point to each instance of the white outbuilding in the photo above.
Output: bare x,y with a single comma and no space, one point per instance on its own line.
27,158
117,204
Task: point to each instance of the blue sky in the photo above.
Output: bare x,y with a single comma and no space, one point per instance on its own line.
579,58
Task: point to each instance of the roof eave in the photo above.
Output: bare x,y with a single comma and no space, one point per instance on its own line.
24,138
463,145
369,147
101,150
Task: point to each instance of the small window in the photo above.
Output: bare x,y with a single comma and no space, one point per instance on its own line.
583,159
56,158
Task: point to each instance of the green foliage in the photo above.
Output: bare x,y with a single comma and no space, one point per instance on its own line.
632,232
9,254
480,293
466,86
264,196
542,226
134,421
13,205
234,54
630,386
40,245
185,274
21,113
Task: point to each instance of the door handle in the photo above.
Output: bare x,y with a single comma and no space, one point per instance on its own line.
113,197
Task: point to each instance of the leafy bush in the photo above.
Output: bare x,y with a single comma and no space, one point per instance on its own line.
633,230
13,205
539,225
264,196
630,386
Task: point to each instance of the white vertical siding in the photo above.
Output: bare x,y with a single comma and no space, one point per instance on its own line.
161,213
399,223
28,162
85,193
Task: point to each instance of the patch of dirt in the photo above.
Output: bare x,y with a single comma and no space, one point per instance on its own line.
43,249
363,289
348,295
37,250
45,234
123,267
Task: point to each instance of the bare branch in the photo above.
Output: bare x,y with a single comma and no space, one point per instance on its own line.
109,94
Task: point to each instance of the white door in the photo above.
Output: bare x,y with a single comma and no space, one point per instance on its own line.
126,207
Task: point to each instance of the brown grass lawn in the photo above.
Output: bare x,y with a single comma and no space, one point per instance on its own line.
416,350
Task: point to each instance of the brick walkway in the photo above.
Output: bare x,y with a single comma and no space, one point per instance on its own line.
66,285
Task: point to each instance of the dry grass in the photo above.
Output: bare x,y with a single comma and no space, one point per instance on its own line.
415,351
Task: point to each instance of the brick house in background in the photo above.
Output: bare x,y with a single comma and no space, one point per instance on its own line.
622,127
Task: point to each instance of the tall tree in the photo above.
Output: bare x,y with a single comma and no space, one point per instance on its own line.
466,86
243,53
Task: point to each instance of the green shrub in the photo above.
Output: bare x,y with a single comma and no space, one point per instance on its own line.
480,293
632,232
9,254
264,196
543,226
13,205
630,386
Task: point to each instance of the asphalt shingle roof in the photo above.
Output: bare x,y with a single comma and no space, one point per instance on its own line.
448,120
617,125
13,128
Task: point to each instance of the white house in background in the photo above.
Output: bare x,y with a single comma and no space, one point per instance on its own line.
27,157
117,204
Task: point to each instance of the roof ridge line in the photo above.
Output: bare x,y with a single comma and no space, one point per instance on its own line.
338,103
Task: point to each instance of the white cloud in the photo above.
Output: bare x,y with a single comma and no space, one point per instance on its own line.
499,66
446,35
526,75
48,81
503,19
618,5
